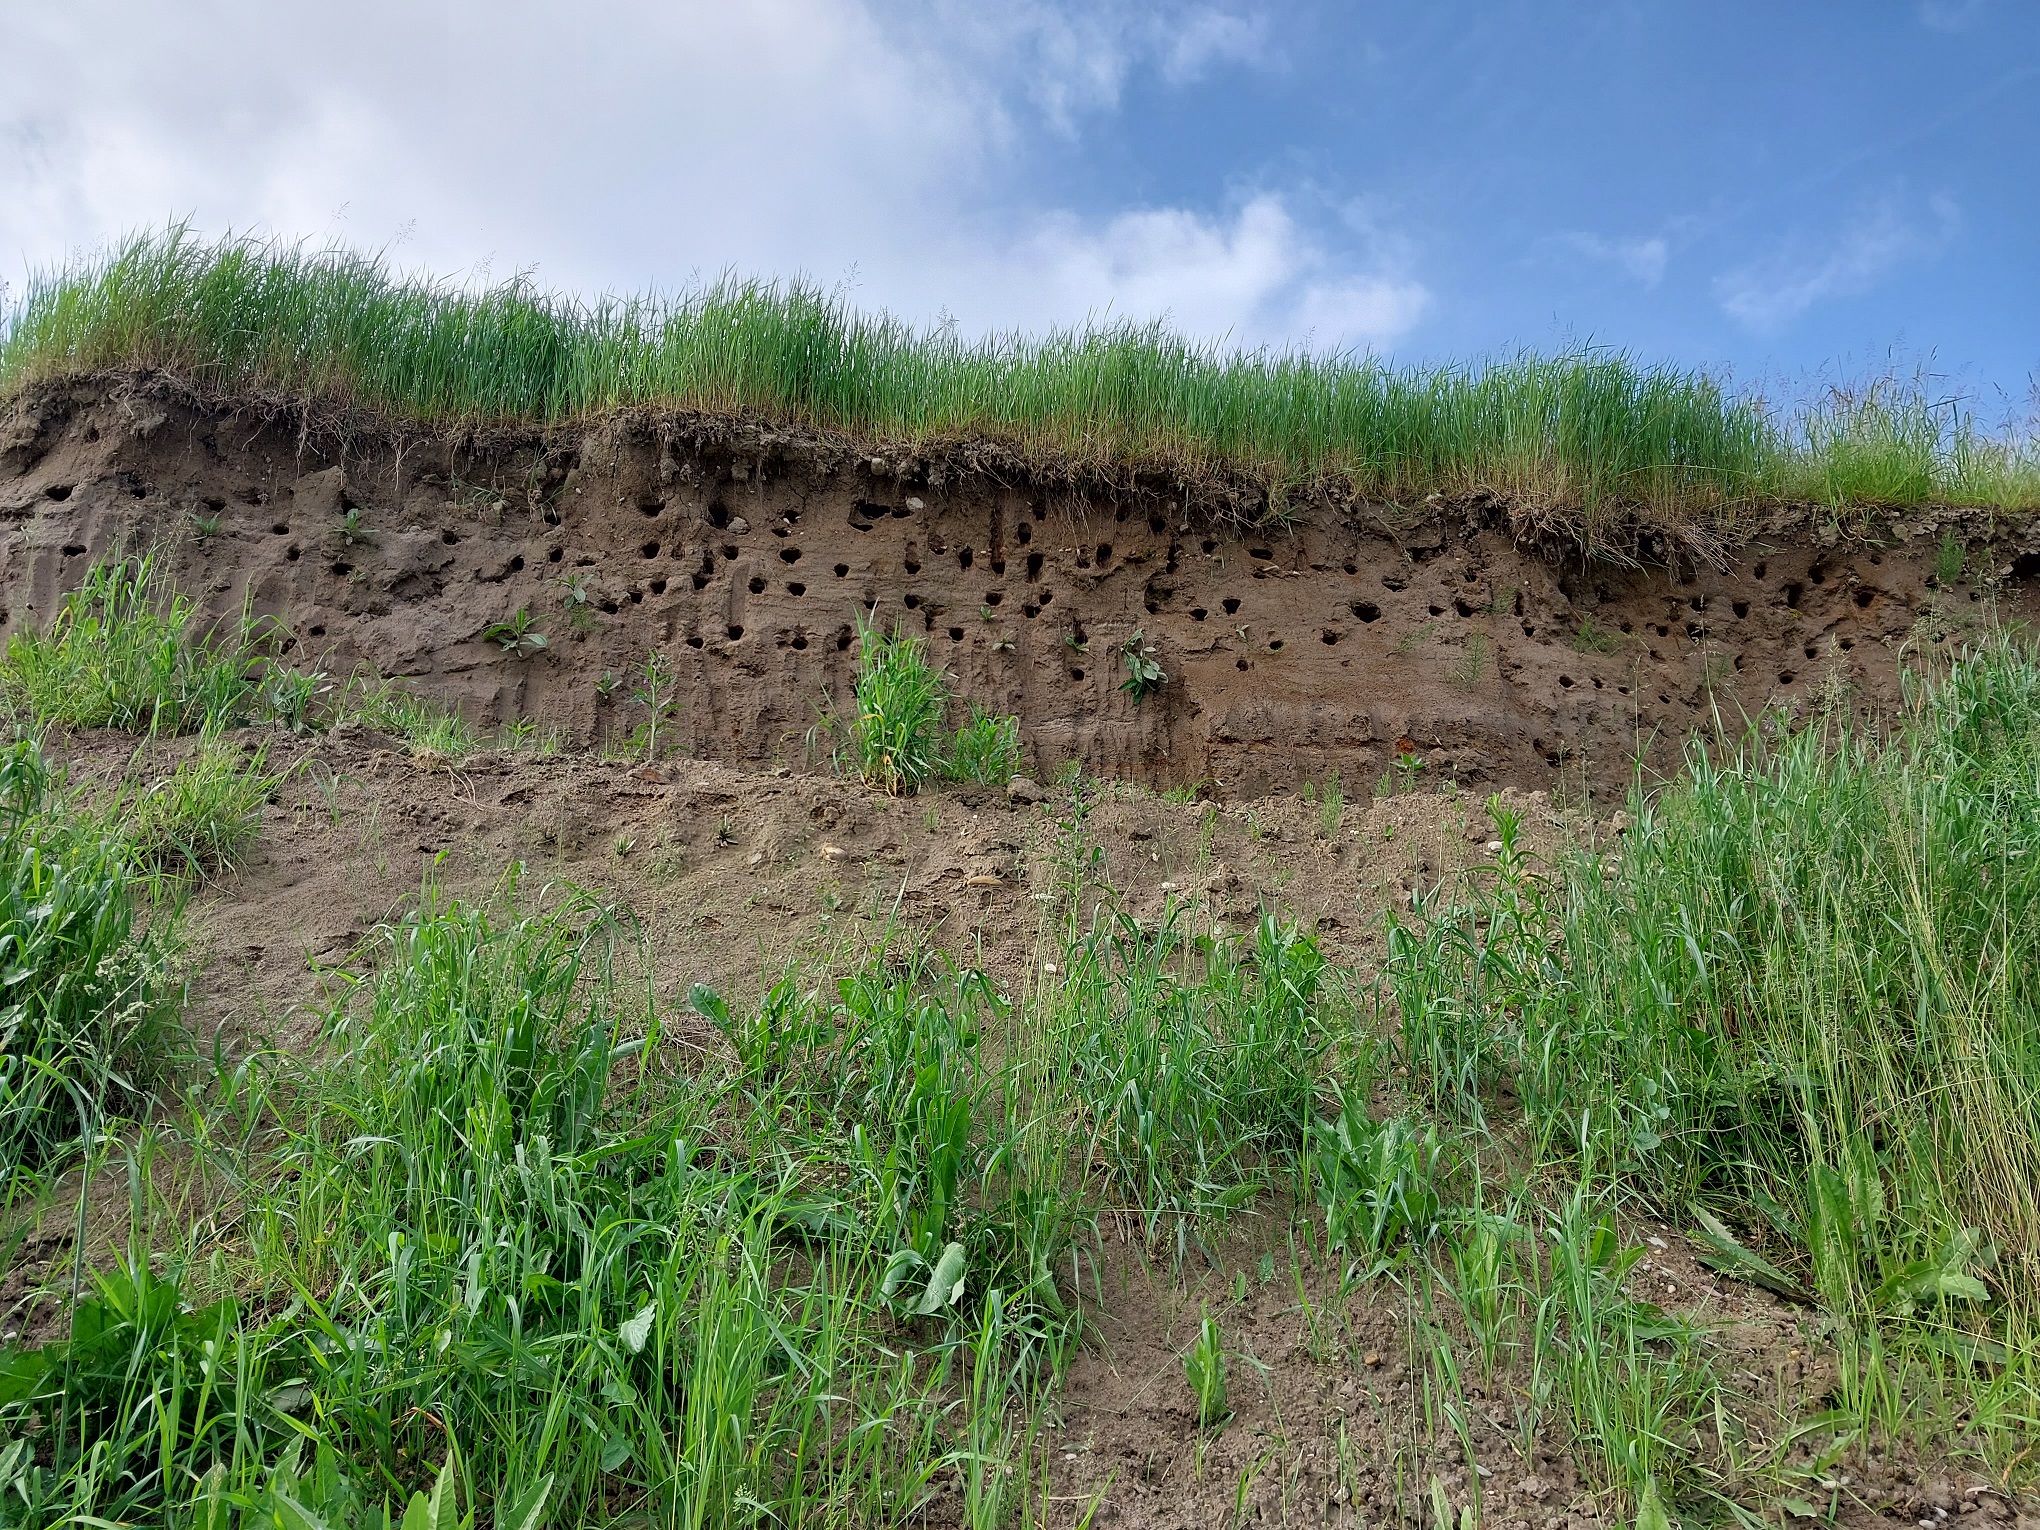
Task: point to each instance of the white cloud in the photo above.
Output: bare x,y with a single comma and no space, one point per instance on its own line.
620,144
1256,279
1641,260
1074,59
1206,37
1951,15
777,133
1777,288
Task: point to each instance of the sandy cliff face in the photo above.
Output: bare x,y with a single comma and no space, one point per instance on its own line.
746,557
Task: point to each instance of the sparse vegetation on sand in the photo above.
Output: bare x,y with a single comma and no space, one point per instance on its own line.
1583,433
499,1235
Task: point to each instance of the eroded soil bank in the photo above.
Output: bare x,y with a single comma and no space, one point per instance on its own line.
726,874
746,556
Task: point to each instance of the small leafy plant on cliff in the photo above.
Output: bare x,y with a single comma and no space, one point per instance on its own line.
578,600
1144,673
518,637
657,693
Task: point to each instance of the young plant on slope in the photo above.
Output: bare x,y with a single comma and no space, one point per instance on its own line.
895,741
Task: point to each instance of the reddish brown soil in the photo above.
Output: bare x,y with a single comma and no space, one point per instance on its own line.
746,556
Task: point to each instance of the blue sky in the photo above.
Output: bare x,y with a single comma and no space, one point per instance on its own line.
1788,192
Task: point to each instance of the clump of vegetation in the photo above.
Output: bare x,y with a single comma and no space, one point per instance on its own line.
290,695
895,739
83,981
1799,998
1144,675
196,820
384,706
121,654
1378,1181
1204,1369
1583,431
986,749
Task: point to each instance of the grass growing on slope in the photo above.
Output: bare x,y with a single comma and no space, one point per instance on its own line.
1576,432
491,1232
1797,1006
81,980
198,819
119,654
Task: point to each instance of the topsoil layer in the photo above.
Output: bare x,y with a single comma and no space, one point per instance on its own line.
747,556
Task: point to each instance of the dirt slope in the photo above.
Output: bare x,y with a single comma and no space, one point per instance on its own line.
746,555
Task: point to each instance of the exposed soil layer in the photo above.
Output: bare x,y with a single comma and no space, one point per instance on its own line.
746,556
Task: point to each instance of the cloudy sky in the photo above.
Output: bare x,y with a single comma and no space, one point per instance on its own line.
1787,191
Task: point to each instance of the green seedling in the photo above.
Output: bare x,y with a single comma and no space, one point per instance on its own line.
656,692
1204,1369
517,637
1144,675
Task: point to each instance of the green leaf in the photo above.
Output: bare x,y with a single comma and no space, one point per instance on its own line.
902,1264
437,1512
709,1004
1966,1288
292,1515
1727,1256
637,1329
945,1286
527,1510
1441,1507
1650,1509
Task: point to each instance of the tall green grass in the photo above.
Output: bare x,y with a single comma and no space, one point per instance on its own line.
123,653
82,981
1579,431
1795,1007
